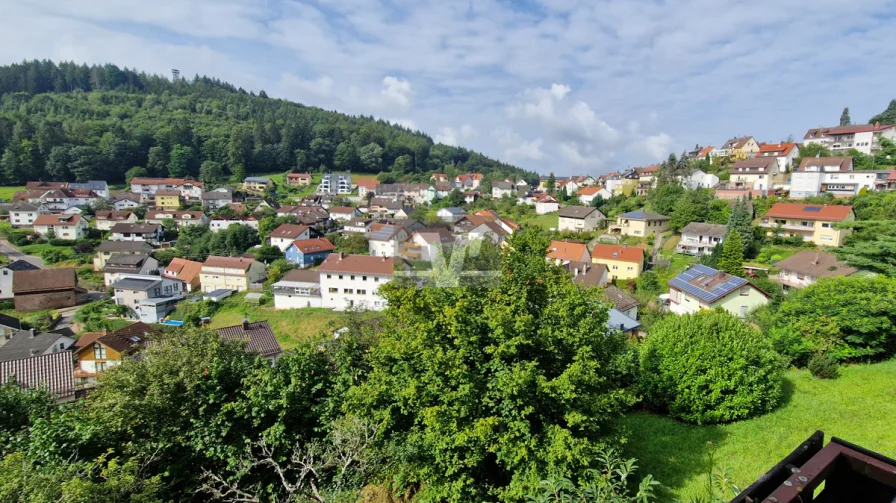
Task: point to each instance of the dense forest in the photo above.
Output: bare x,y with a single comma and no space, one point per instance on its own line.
76,122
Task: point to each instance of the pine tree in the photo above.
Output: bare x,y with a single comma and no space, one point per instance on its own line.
552,183
844,117
741,220
731,259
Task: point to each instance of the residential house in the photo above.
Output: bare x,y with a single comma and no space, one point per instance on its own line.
7,273
564,252
106,219
702,287
45,186
238,208
344,213
9,326
385,240
743,147
120,265
441,190
298,179
167,199
438,177
24,214
469,180
450,215
646,175
46,289
623,302
97,352
616,320
367,186
502,189
108,248
705,152
588,275
63,199
545,204
98,187
384,206
61,226
257,336
30,343
312,216
698,179
215,200
230,273
813,223
149,233
358,225
353,281
191,190
181,218
53,372
623,262
221,222
700,238
580,219
150,298
587,195
863,137
640,224
784,153
832,175
309,252
186,271
298,288
756,173
284,235
335,183
427,244
126,201
257,184
808,266
487,229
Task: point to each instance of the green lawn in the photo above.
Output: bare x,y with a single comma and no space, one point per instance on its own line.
6,193
858,407
546,221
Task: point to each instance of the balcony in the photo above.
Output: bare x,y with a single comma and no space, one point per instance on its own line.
790,227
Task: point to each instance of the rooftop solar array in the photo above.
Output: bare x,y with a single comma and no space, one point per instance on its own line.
815,209
383,234
705,293
634,214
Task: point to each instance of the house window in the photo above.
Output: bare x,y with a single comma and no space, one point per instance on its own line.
5,272
363,278
353,277
329,276
334,290
826,225
745,291
99,351
340,276
100,366
376,279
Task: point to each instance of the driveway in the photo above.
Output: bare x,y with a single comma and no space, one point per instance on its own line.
14,254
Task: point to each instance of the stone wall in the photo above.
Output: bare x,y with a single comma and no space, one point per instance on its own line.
48,300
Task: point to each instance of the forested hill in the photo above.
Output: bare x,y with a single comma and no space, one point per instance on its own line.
77,122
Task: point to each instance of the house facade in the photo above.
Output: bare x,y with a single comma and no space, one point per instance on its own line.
298,179
24,214
756,173
7,272
344,213
742,147
257,184
699,179
640,224
832,175
863,137
784,154
46,289
427,244
702,287
309,252
221,223
580,219
814,223
120,265
169,200
106,219
297,289
353,281
587,195
186,271
385,240
148,233
284,235
190,190
150,298
335,183
807,267
230,273
700,238
181,218
622,262
61,226
108,248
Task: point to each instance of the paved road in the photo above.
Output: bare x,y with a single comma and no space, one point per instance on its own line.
14,254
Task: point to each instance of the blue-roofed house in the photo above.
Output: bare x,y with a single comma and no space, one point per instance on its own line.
99,187
309,252
257,184
617,320
702,287
640,224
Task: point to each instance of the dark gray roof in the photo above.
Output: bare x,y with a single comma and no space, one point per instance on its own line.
139,228
258,336
23,345
120,246
703,229
576,211
620,299
385,233
593,275
815,264
9,321
455,211
127,260
90,185
617,320
20,265
503,185
138,284
217,196
25,207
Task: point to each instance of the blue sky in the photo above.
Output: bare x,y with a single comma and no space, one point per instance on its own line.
553,85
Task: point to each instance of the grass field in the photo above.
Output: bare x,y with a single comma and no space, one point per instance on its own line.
858,407
6,193
546,221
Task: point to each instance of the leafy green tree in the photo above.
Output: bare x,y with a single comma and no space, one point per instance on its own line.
157,163
888,116
371,157
709,367
58,163
181,161
345,158
268,254
662,199
135,172
741,220
211,172
551,185
731,259
462,397
844,117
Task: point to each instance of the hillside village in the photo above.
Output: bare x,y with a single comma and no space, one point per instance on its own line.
95,275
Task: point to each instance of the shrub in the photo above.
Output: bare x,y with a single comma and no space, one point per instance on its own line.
53,256
824,366
61,242
709,367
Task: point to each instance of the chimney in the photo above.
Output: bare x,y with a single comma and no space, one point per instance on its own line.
34,352
105,332
815,260
33,333
245,324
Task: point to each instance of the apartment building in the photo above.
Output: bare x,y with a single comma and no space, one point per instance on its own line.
230,273
833,175
863,137
334,183
190,190
353,281
699,238
61,226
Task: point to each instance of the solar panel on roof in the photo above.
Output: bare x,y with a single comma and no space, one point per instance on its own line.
812,208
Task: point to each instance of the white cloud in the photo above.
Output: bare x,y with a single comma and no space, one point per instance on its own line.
397,90
454,137
516,148
658,147
406,123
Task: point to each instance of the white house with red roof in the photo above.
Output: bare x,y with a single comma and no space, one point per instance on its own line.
863,137
784,153
62,226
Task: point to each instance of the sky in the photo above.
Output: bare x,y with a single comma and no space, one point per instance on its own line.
573,87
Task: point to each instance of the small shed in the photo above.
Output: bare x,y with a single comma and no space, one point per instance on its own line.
253,298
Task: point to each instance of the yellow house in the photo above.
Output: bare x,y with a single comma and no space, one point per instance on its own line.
702,287
230,273
623,262
167,199
814,223
640,224
741,148
625,187
257,184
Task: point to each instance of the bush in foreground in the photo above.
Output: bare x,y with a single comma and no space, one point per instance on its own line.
824,366
709,367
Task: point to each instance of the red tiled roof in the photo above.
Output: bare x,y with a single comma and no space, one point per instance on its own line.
369,184
588,191
618,252
706,150
185,270
229,262
776,148
58,220
342,209
298,176
809,211
314,245
566,250
288,231
165,181
258,336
